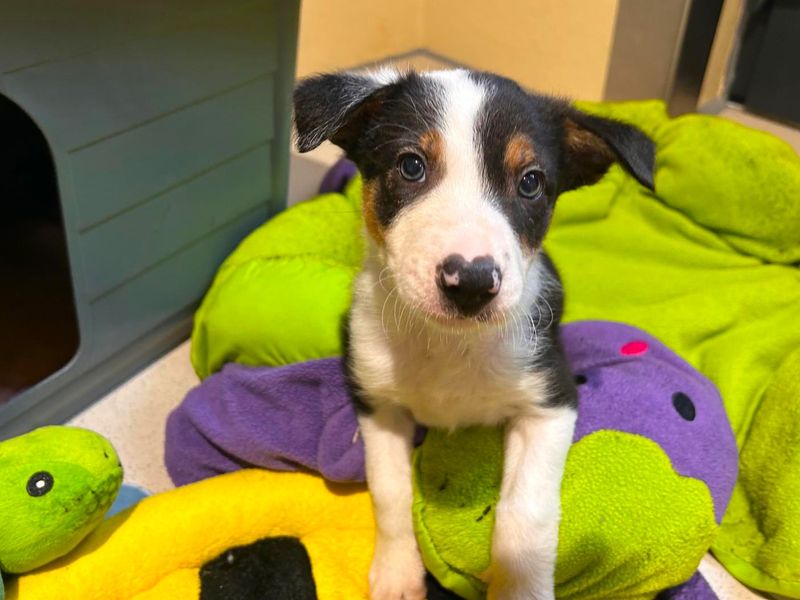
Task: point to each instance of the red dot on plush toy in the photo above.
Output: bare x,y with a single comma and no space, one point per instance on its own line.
634,348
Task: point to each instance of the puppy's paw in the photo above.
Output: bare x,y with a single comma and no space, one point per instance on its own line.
397,572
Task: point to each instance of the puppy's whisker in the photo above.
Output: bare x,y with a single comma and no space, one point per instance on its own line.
505,324
427,344
408,320
552,314
394,312
522,329
534,336
383,310
421,319
381,279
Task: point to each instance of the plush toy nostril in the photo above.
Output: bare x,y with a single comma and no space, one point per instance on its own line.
469,285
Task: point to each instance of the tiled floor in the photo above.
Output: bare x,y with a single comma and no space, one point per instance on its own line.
133,415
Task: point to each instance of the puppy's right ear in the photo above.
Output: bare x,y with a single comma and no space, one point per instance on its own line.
592,143
329,107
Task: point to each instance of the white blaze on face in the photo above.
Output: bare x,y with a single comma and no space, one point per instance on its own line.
457,216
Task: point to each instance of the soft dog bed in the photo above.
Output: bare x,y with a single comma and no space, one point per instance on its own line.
649,475
708,264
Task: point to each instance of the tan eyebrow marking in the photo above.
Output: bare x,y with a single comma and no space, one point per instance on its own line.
519,153
432,144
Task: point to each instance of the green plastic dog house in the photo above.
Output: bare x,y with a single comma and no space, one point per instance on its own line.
166,124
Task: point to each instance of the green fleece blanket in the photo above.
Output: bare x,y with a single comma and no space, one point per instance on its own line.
709,264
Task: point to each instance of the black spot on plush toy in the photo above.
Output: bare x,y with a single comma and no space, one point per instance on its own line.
276,567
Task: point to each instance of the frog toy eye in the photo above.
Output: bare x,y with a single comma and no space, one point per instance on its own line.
39,484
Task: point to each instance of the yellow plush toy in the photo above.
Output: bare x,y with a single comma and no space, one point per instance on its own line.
232,536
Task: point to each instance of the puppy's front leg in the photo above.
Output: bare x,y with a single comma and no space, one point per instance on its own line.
525,536
397,572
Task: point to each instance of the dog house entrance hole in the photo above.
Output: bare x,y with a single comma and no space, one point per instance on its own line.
38,323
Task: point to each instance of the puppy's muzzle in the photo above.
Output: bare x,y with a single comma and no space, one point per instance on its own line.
469,285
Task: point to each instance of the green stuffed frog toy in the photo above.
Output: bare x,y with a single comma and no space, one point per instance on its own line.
56,484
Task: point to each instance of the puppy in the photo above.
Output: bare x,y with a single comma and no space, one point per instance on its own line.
456,311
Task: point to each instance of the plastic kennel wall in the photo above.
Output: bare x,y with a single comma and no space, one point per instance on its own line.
167,122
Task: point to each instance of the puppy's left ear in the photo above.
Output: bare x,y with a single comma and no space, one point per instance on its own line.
592,143
331,106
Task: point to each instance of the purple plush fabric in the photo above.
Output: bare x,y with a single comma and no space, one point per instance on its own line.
285,419
300,416
634,383
337,176
696,588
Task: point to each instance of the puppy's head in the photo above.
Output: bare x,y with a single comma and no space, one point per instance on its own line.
461,173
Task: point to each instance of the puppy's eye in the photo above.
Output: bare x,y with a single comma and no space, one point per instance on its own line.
531,185
412,167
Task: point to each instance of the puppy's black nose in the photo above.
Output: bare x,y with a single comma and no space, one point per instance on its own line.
469,285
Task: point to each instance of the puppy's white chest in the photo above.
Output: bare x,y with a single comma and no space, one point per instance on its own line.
455,385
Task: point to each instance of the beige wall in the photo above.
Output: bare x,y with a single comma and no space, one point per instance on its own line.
560,46
336,34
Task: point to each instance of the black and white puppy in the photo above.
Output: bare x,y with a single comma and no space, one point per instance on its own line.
455,314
